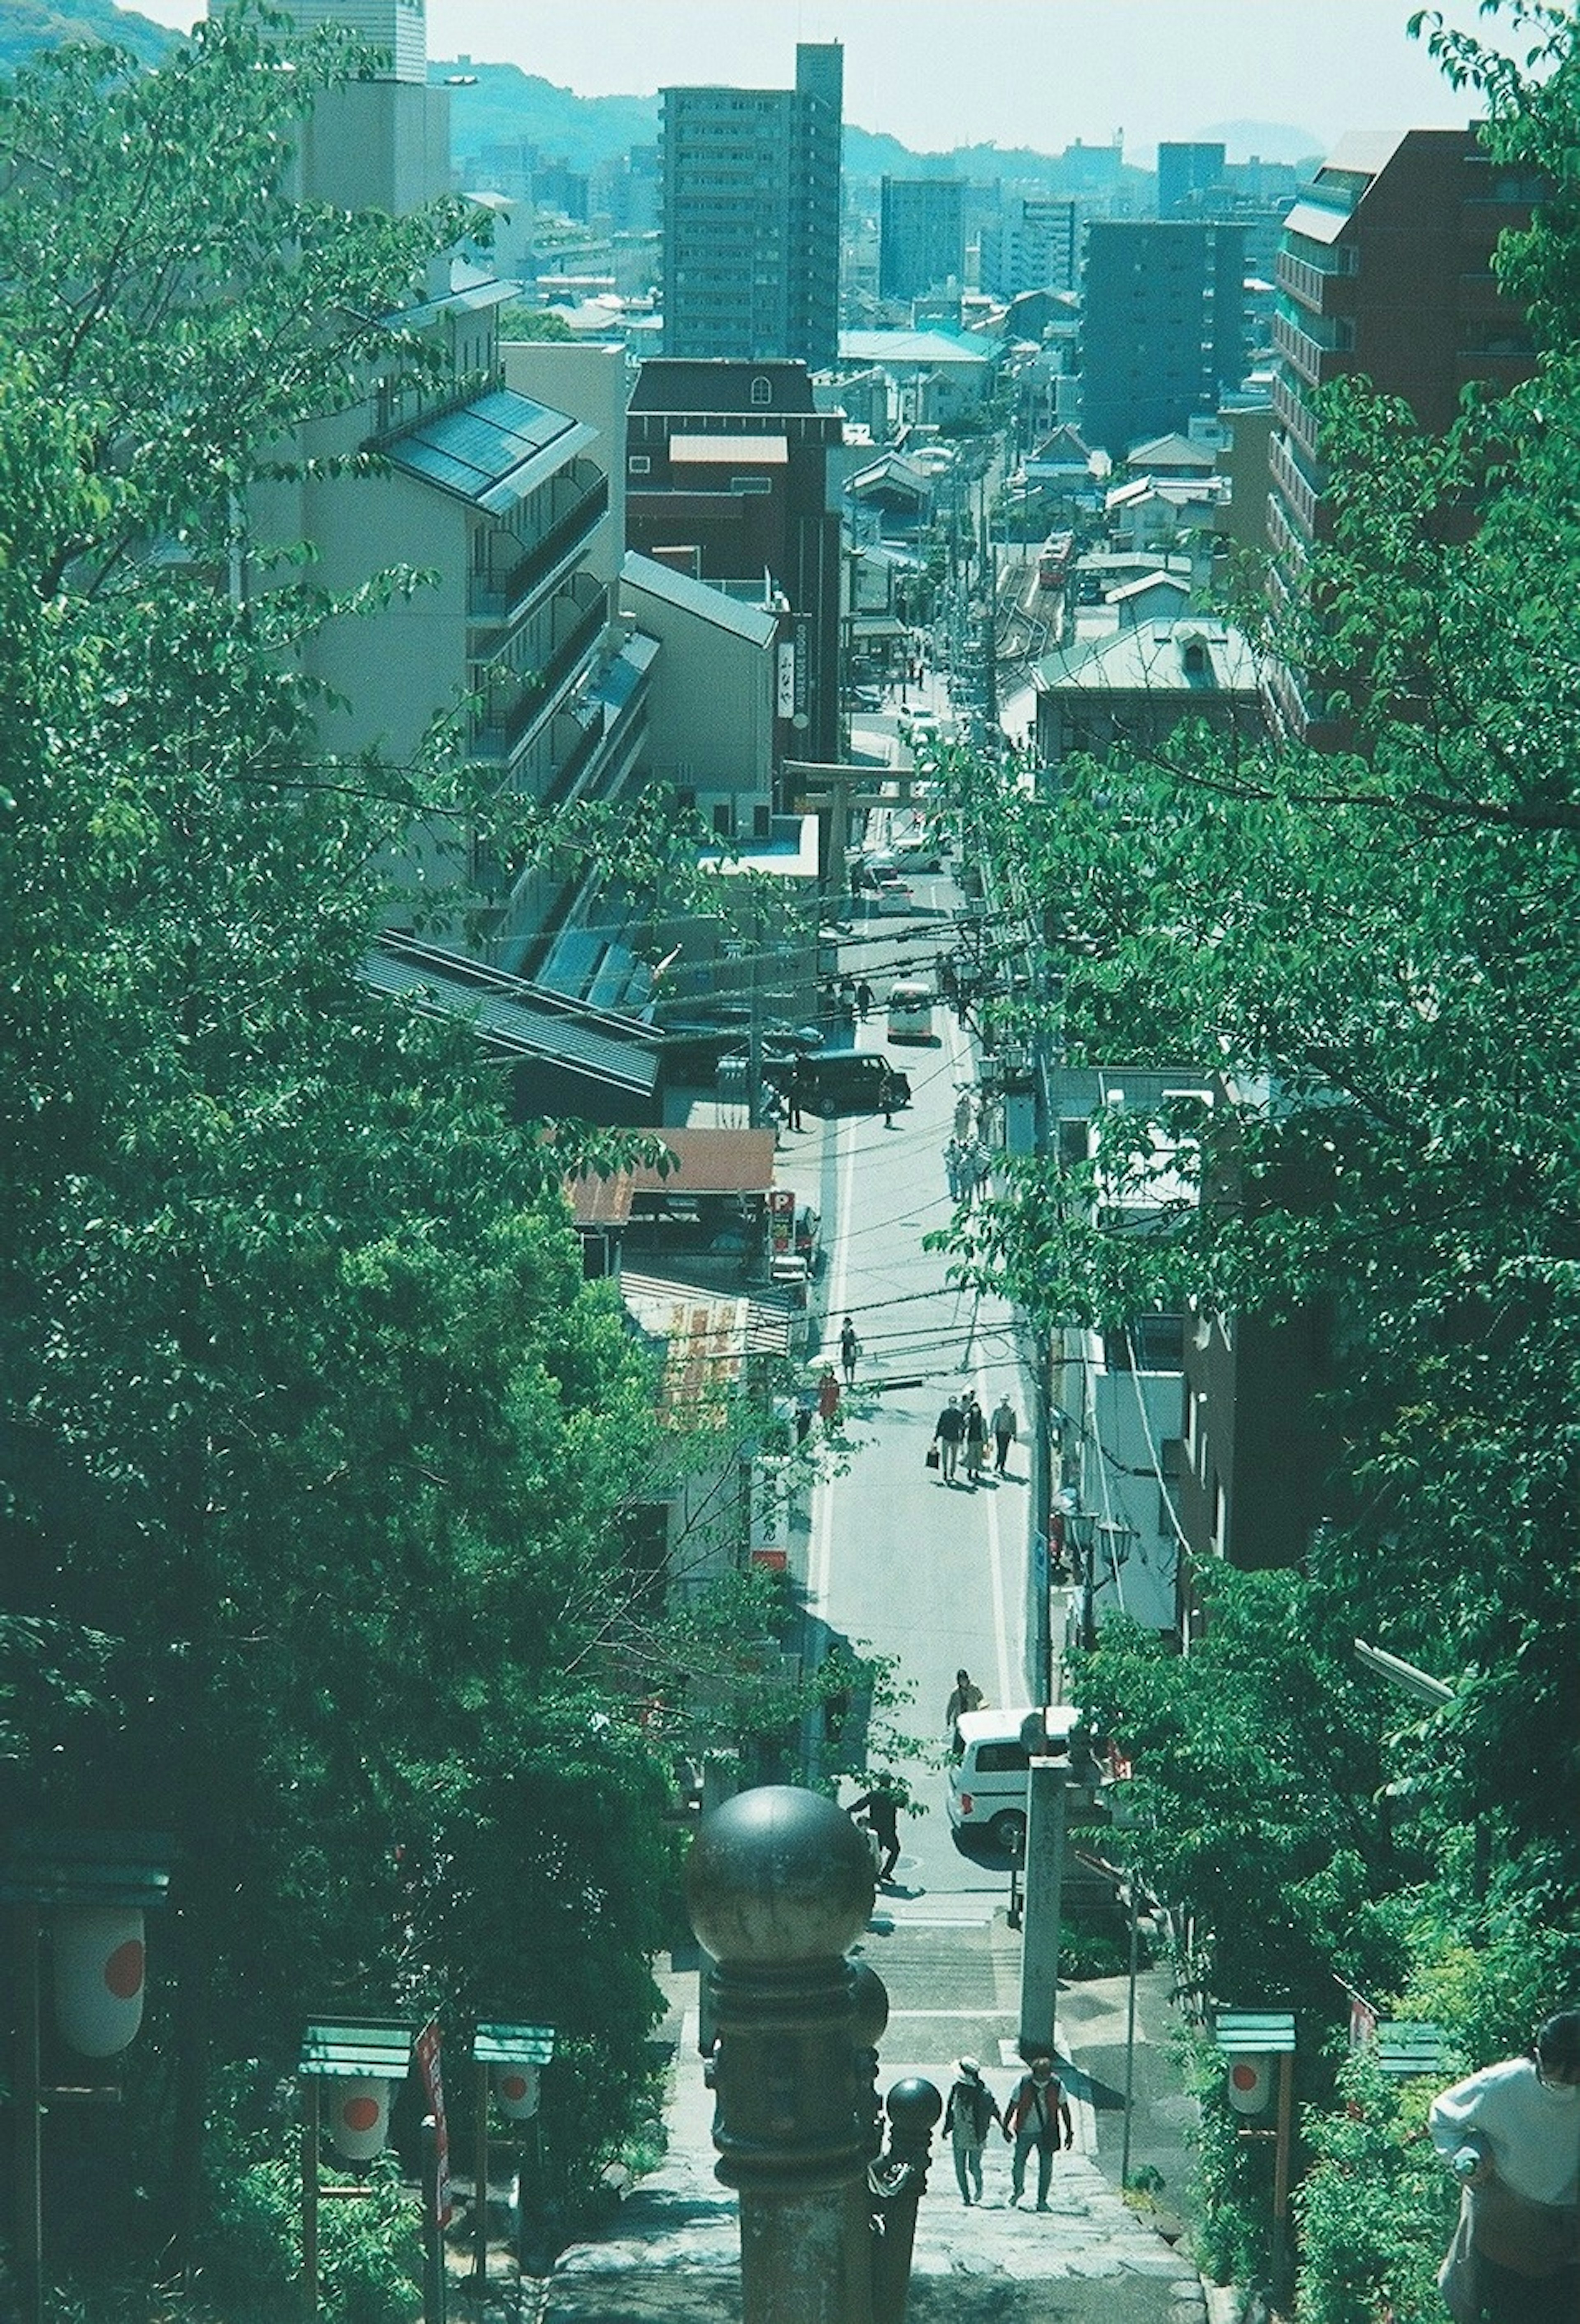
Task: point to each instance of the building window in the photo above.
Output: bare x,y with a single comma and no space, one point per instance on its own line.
640,464
762,391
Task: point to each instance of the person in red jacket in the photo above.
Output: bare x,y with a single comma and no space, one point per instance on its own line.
1038,2113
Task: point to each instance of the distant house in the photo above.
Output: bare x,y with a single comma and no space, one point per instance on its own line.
934,377
1173,454
1131,690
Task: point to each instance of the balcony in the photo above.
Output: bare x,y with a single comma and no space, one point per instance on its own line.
1295,490
498,600
505,731
1295,416
1316,353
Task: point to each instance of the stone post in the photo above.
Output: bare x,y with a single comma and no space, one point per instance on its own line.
779,1883
899,2183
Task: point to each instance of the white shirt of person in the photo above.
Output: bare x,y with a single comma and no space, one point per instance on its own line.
1531,2129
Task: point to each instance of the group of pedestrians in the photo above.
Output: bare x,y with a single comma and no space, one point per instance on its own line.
1037,2118
962,1431
967,1167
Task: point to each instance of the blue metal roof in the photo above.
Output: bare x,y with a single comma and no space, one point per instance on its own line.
493,452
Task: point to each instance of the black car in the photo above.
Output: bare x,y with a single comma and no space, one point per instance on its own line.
849,1080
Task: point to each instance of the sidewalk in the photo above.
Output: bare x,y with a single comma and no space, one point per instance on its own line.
673,2257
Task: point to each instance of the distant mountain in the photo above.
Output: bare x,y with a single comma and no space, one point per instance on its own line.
491,105
1265,140
504,103
26,26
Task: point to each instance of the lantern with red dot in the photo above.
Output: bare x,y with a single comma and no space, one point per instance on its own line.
359,2115
1249,2083
100,1968
516,2089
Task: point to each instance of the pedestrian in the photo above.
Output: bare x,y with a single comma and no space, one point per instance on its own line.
976,1169
888,1098
966,1695
827,1397
976,1438
963,1115
879,1809
1005,1428
850,1348
946,1436
1511,2136
1038,2113
794,1089
865,998
970,2113
952,1152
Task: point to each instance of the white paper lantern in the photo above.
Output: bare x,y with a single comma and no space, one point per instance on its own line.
516,2089
99,1973
359,2115
1249,2083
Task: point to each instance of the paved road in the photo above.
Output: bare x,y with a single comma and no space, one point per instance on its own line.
889,1559
896,1562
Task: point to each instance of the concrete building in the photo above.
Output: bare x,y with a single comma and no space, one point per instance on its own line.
381,144
509,653
751,216
1034,245
728,478
711,723
1163,331
1186,172
921,235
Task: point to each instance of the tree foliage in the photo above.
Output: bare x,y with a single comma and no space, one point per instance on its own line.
315,1445
1374,948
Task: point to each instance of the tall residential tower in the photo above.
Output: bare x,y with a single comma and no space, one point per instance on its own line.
751,216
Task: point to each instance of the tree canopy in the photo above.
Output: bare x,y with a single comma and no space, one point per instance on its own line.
1373,948
315,1446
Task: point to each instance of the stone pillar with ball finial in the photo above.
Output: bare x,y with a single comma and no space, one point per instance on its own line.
779,1883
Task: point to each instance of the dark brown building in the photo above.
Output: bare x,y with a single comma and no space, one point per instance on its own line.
727,477
1386,271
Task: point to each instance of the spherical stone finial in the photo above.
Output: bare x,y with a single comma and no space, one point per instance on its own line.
870,2000
914,2106
779,1875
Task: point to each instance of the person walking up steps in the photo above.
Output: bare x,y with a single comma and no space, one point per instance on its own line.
850,1348
970,2116
946,1436
1039,2112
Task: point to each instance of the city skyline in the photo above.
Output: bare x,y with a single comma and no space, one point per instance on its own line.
938,74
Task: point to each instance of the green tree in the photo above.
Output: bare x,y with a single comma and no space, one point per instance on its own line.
1374,947
315,1445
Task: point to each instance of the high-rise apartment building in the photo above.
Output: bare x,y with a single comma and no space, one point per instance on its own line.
1163,330
381,144
1185,173
921,235
751,216
1386,271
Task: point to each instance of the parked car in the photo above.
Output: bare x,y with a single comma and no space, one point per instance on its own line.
986,1783
849,1080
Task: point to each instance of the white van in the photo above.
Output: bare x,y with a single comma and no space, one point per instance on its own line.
910,1011
987,1774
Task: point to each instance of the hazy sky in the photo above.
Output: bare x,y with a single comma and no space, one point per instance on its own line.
938,73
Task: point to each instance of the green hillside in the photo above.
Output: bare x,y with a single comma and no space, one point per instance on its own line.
506,103
26,26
